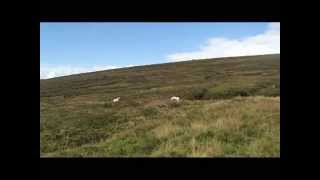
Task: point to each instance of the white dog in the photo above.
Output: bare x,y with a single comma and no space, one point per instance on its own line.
174,98
116,99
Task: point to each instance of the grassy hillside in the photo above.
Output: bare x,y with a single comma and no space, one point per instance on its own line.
230,107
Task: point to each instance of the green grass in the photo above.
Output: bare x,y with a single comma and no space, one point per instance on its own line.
229,108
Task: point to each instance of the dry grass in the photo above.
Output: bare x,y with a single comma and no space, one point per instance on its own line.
206,149
166,130
199,126
237,127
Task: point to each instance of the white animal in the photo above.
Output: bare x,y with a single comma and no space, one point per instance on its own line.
174,98
116,99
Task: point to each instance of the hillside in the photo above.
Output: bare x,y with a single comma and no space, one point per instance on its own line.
230,107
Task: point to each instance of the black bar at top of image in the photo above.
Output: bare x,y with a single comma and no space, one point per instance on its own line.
156,11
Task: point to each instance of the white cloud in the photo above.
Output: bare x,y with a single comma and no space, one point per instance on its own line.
49,71
264,43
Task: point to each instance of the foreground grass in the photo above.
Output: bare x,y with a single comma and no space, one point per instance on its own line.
242,126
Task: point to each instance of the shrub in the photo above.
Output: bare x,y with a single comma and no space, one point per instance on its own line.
269,91
107,105
207,77
129,146
150,111
199,93
229,93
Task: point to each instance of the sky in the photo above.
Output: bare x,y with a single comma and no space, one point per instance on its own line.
72,48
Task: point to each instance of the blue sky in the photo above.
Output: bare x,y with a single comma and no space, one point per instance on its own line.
71,48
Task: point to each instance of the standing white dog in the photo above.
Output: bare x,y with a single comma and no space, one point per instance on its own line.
174,98
116,99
